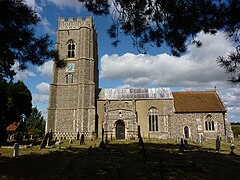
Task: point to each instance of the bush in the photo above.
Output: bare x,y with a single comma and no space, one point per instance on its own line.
236,130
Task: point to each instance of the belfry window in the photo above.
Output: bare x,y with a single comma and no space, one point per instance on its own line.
71,49
153,119
209,123
69,78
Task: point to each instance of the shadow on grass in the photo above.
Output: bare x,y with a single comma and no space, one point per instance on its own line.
122,160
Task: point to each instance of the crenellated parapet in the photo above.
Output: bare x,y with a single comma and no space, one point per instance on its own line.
71,23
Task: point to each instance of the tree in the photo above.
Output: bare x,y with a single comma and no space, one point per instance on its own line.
15,100
18,41
173,22
35,122
19,101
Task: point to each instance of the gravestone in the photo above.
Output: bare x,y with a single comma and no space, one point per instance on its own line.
232,147
185,144
218,144
44,141
49,141
181,146
102,144
78,136
82,139
15,149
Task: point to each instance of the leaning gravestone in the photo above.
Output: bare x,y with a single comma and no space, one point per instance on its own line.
44,142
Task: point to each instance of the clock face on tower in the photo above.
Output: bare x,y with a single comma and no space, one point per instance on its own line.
70,67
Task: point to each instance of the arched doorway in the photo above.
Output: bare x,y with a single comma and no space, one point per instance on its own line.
186,132
120,130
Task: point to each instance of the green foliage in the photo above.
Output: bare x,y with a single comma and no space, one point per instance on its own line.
15,100
18,41
236,130
35,122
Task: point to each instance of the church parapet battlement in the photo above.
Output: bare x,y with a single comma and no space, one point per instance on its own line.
71,23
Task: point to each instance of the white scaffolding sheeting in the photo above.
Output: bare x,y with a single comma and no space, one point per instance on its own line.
136,93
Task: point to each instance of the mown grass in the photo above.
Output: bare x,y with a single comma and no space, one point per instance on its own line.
122,160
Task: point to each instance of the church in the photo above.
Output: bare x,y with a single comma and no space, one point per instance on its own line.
78,105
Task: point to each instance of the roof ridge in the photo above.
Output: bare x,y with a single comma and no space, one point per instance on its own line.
220,99
191,91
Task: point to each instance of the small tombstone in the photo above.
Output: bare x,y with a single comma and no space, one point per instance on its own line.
218,144
185,144
181,146
49,141
70,141
232,147
82,140
78,136
15,149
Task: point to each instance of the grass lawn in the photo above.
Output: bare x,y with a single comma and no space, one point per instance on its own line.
122,160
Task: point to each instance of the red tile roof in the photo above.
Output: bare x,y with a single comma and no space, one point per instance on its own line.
13,126
197,102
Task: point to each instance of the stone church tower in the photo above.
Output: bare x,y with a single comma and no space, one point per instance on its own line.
72,101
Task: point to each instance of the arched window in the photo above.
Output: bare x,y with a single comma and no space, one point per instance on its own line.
71,49
209,123
153,119
186,132
69,78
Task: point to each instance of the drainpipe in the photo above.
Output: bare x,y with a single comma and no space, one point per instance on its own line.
225,130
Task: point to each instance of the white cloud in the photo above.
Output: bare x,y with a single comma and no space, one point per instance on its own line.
198,67
22,74
47,26
44,21
34,5
73,4
43,88
39,98
46,68
234,113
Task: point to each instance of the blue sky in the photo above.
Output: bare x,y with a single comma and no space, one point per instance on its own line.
124,66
